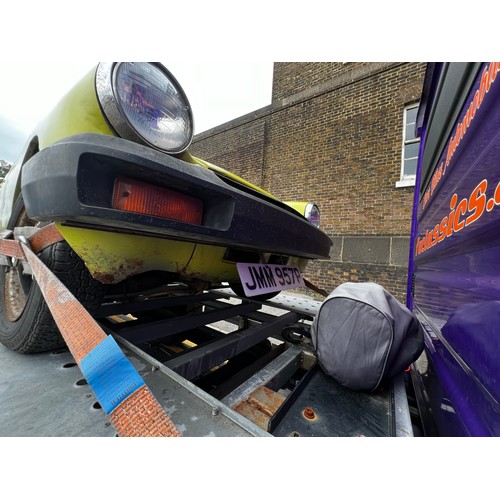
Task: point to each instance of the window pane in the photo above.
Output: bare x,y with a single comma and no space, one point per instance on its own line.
410,167
410,118
411,150
411,114
410,132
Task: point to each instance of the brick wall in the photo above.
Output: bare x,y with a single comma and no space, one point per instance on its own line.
333,135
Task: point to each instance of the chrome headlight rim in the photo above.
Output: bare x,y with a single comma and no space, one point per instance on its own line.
111,108
312,214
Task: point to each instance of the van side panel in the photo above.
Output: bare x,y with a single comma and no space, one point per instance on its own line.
456,269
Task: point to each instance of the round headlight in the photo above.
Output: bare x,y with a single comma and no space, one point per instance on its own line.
312,214
144,103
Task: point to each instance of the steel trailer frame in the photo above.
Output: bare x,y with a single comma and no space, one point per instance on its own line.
277,390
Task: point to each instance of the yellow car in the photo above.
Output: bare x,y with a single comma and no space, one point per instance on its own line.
110,166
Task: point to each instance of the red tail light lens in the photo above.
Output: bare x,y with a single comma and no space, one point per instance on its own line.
136,196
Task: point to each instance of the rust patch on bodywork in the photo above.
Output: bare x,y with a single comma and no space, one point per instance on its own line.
128,268
112,257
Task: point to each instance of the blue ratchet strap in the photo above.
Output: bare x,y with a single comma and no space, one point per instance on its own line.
110,374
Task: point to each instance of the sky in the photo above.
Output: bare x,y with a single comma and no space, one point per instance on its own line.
218,92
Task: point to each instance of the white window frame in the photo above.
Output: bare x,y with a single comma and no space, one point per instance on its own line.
405,179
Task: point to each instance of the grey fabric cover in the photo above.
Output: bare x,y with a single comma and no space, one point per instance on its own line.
362,335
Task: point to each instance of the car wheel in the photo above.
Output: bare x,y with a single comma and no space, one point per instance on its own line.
26,323
238,290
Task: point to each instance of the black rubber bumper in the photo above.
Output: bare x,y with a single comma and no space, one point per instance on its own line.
72,182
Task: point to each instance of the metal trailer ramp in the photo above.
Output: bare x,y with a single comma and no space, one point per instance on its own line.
216,363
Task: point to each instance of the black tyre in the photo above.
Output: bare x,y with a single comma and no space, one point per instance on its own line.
26,323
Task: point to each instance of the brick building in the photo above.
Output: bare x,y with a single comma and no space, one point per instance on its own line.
341,135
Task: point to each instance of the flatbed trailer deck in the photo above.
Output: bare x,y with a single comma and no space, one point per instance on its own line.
219,365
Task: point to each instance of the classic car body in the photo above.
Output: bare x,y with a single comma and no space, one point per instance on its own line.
110,166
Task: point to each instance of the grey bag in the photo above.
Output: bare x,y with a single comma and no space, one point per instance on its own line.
363,335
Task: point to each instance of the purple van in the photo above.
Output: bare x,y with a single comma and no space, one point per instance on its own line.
454,265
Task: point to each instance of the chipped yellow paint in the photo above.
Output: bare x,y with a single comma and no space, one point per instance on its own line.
112,257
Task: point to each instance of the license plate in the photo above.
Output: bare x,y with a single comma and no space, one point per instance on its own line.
264,278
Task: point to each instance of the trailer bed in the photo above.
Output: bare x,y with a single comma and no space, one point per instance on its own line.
219,366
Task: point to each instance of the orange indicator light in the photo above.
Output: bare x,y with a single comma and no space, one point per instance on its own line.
139,197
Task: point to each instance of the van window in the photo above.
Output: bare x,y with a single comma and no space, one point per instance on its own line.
455,82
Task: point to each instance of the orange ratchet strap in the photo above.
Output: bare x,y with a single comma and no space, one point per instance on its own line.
122,393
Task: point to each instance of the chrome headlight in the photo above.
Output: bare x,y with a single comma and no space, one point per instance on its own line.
312,214
144,103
